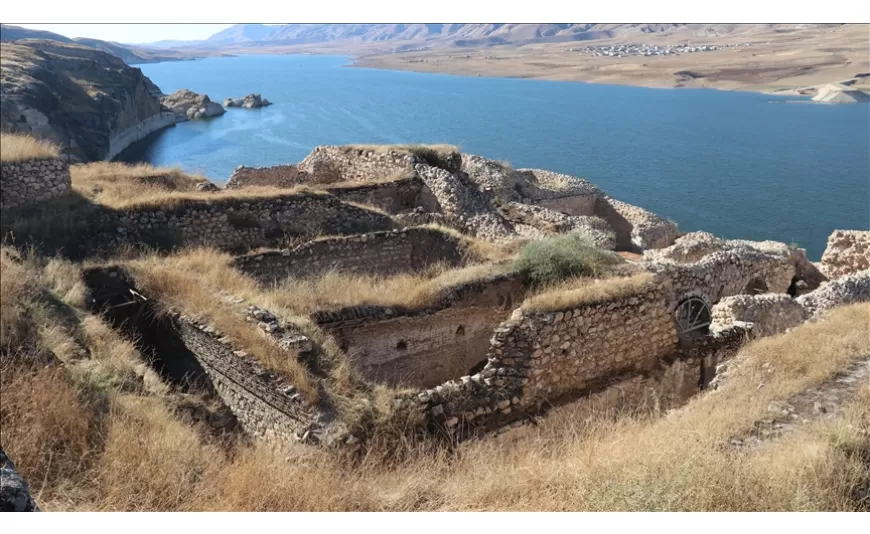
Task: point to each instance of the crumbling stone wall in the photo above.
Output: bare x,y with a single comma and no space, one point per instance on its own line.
724,273
599,232
847,289
769,314
275,176
247,222
329,164
572,349
28,182
459,197
636,228
395,196
407,250
848,252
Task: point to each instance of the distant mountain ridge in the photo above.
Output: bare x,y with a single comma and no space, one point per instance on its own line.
131,55
467,34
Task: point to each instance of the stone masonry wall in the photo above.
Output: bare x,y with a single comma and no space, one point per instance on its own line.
406,250
28,182
420,350
571,350
425,347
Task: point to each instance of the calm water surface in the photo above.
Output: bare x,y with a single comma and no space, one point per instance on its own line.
739,165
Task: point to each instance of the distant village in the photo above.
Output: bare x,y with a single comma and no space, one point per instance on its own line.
624,50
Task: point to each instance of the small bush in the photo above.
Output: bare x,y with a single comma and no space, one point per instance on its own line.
550,260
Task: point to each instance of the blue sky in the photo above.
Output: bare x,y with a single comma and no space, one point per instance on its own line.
132,33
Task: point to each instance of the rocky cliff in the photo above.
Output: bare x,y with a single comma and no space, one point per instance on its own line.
88,102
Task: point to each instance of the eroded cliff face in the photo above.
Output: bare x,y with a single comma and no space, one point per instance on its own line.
88,102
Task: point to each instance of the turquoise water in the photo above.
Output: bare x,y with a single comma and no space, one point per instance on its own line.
739,165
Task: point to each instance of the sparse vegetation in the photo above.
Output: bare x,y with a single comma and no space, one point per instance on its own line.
548,261
17,147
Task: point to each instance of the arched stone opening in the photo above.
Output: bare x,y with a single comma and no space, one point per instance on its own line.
693,318
756,286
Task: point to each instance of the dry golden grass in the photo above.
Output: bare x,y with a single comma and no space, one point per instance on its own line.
410,291
15,147
584,291
123,186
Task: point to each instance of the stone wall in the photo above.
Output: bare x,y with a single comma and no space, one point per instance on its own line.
407,250
423,348
724,273
275,176
29,182
544,360
636,228
264,404
244,223
847,289
848,252
769,314
121,140
328,164
570,350
396,196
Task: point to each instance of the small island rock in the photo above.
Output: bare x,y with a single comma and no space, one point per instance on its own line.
249,102
188,105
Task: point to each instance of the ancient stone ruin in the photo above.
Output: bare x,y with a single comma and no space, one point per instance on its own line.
486,352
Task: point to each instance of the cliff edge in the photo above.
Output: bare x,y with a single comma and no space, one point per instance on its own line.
88,102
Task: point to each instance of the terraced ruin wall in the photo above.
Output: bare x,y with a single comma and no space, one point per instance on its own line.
29,182
406,250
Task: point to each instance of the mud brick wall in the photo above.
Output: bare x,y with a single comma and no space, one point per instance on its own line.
29,182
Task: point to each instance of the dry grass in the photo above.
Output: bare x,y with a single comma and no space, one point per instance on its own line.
14,148
117,184
585,291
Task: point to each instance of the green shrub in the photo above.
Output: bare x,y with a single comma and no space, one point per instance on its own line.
550,260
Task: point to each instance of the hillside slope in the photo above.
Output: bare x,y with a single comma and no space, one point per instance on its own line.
87,101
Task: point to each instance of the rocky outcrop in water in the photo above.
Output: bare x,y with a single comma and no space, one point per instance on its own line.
14,493
90,103
188,105
249,102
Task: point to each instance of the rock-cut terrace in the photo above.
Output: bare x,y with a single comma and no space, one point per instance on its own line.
394,269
